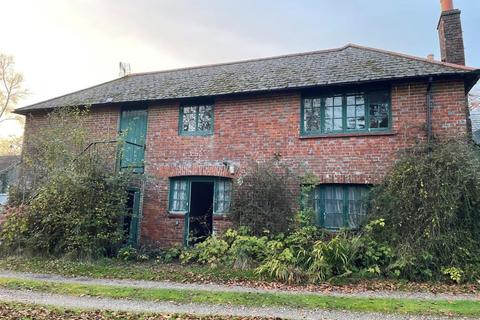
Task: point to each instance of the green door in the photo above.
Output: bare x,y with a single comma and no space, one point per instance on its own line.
133,127
134,227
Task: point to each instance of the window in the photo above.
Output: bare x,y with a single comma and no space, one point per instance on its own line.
180,194
340,206
196,120
223,193
344,113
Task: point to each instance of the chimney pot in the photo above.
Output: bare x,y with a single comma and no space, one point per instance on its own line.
447,5
431,57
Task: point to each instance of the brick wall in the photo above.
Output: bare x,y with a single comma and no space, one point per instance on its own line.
261,126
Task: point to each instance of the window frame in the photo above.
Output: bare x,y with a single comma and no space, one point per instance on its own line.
197,106
344,93
189,180
319,204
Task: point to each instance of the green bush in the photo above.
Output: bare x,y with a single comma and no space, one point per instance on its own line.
68,202
430,204
262,199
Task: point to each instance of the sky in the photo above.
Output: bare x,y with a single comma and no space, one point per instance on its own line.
62,46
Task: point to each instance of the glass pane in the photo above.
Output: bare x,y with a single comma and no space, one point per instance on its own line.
360,100
333,207
188,121
351,123
307,103
337,124
312,119
378,116
205,118
337,101
351,111
356,205
350,100
329,102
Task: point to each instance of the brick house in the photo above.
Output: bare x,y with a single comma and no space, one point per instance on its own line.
342,114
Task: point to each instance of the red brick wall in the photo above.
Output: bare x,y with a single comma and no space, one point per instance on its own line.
260,126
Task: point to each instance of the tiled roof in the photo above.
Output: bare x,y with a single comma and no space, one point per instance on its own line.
349,64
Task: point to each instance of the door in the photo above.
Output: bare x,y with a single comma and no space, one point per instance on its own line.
131,219
200,216
133,128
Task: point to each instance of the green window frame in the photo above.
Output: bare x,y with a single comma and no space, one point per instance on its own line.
196,119
351,112
340,205
179,194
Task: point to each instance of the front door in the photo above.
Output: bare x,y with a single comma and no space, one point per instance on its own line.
201,211
133,128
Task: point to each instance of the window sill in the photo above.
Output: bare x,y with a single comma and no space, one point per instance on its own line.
176,214
347,135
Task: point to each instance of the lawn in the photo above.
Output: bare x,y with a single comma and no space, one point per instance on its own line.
16,311
116,269
302,301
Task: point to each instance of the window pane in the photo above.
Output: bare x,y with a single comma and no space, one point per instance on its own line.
355,112
312,114
222,196
378,115
356,205
205,118
333,216
179,195
379,108
189,119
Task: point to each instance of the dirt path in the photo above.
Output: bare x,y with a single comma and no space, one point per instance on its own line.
226,288
88,303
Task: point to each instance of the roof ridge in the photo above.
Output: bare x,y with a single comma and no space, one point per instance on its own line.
404,55
241,61
67,94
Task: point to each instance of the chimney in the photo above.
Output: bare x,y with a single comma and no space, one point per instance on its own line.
450,34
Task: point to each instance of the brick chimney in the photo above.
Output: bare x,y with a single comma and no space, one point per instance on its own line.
450,34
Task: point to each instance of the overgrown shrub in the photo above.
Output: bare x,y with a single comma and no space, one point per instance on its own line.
262,199
68,203
430,204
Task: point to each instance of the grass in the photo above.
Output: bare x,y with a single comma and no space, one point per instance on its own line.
16,311
116,269
302,301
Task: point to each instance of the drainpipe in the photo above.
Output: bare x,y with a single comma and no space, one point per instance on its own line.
429,110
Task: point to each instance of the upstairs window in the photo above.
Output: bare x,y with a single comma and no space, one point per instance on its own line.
345,113
196,119
341,205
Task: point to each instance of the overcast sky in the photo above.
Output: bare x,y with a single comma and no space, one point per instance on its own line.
63,46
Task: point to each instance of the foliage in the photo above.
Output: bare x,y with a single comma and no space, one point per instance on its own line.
430,204
262,199
71,205
11,88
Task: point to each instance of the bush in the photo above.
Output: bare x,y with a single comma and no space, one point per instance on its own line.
262,199
430,204
68,203
78,214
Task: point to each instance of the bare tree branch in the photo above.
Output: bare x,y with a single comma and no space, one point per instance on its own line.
11,89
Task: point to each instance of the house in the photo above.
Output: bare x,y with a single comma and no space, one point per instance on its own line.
342,114
8,176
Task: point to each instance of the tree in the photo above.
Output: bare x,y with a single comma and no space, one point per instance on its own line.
11,87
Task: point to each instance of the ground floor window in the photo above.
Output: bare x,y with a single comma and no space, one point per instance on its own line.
340,205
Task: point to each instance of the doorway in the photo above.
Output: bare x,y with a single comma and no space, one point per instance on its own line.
201,211
130,220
